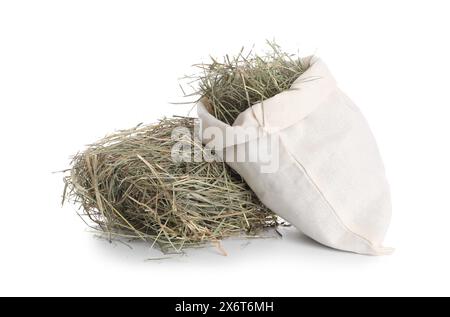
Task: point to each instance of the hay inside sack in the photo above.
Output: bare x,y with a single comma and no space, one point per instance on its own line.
236,83
127,185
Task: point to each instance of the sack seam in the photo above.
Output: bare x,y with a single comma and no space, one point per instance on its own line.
322,195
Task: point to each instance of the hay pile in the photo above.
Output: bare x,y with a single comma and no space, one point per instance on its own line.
128,186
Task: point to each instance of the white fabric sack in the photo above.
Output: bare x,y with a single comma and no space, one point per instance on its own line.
330,182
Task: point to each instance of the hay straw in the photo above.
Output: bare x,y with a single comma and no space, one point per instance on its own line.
234,84
128,186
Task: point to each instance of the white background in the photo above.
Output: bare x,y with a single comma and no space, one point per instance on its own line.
72,71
